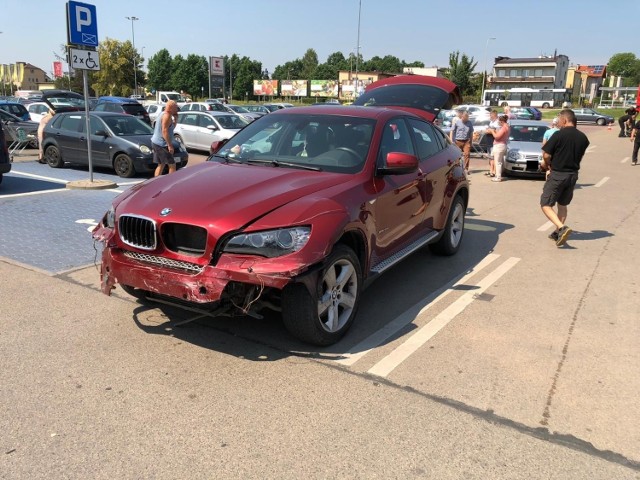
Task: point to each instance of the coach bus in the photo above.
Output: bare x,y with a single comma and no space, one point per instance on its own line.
527,97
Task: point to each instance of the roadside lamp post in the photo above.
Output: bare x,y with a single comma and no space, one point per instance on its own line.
135,63
484,72
358,47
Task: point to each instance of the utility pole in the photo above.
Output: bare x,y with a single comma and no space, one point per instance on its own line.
135,63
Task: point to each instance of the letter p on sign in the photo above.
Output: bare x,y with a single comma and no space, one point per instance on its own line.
83,17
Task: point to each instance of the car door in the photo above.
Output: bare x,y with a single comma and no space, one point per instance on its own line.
437,161
207,130
400,207
581,115
67,133
100,144
188,122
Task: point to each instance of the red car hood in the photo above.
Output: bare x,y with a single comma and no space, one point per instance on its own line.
224,197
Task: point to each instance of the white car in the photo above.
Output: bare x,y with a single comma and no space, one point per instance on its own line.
198,130
155,110
475,111
37,110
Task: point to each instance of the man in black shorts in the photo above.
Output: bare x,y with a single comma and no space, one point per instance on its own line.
562,155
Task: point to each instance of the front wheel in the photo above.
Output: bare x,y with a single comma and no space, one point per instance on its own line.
324,317
545,105
123,165
601,121
450,241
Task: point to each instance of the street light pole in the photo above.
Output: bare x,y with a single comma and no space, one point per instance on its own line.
358,47
484,72
135,66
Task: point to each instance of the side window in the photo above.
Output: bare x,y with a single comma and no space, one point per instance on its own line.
395,138
424,136
205,120
95,124
190,119
71,123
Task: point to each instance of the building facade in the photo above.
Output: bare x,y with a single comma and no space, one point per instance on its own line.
22,76
538,72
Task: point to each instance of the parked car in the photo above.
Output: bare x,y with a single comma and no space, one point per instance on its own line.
5,159
132,108
297,212
37,110
475,111
522,113
205,107
198,130
118,141
258,109
246,114
13,123
272,107
591,116
524,149
15,108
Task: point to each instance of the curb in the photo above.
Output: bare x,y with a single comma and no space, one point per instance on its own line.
89,185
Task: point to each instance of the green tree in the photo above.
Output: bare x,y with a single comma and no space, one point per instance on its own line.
289,71
117,60
245,71
178,75
160,69
191,75
460,71
309,63
625,65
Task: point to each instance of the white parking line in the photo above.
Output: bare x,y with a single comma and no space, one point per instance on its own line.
404,319
545,227
40,177
625,159
601,182
591,148
385,366
40,192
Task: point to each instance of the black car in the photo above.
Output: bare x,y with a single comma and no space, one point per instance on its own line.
130,108
13,123
118,141
5,159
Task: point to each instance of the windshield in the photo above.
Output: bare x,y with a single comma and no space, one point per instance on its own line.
329,143
525,133
238,109
125,125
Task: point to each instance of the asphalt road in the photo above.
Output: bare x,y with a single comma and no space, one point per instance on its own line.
513,359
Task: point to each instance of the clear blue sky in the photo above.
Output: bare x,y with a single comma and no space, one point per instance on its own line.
276,31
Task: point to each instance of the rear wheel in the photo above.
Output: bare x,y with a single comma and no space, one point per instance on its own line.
545,105
53,157
324,317
123,165
601,121
450,241
504,104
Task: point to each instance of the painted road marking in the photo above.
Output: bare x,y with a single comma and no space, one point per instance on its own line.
591,148
625,159
39,192
385,366
40,177
361,349
545,227
601,182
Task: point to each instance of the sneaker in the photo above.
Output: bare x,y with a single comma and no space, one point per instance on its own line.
563,234
634,163
496,179
554,235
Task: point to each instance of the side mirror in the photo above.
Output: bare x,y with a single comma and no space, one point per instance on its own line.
101,133
399,164
217,145
213,128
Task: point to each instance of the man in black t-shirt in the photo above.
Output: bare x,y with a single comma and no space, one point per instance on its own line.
562,155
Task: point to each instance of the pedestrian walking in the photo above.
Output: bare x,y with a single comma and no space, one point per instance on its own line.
162,139
43,123
494,125
500,139
562,154
462,135
635,138
627,121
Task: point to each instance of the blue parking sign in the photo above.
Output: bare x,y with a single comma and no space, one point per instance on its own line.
82,24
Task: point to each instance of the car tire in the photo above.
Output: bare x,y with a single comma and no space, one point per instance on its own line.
53,157
449,242
312,318
601,121
123,166
179,139
504,104
545,105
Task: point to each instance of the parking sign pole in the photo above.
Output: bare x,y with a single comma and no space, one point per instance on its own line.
85,84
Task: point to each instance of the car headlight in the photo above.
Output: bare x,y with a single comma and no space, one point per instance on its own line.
270,243
513,155
144,149
110,218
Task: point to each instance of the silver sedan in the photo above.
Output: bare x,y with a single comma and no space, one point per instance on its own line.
198,130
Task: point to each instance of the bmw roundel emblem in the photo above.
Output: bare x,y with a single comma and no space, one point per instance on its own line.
165,211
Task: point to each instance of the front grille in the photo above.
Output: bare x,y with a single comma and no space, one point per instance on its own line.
137,231
183,238
165,262
532,157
